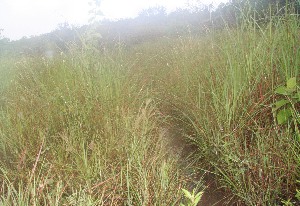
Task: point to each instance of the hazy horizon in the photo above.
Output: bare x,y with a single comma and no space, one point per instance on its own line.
24,18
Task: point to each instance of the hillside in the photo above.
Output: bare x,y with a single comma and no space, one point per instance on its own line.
154,118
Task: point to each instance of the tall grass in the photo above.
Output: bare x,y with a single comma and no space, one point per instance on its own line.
7,70
96,128
220,88
76,130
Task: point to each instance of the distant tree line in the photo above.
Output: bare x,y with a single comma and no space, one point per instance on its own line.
150,24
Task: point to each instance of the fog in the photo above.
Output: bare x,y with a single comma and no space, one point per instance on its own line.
25,18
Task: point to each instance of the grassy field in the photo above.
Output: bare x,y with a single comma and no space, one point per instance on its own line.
134,126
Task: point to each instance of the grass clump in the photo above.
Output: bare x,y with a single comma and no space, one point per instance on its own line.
219,89
76,133
223,94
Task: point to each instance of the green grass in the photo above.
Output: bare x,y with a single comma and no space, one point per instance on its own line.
223,94
7,72
91,127
76,133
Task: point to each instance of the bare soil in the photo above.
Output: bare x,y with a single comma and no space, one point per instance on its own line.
213,194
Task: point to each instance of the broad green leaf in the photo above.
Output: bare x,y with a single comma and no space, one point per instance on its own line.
187,194
297,194
296,97
291,83
283,115
280,103
198,197
281,90
290,90
199,194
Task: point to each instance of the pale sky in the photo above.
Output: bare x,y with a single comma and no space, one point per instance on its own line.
21,18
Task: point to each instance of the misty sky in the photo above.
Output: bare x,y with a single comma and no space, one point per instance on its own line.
21,18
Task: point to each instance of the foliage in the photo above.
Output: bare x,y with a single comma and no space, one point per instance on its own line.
94,124
192,198
70,135
286,109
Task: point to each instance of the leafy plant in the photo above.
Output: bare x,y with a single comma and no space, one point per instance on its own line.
285,108
192,199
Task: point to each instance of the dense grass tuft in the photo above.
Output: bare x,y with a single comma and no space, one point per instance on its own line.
76,132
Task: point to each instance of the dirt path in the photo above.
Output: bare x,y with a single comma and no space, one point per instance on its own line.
213,194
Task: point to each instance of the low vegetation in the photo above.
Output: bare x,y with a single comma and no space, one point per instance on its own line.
147,124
